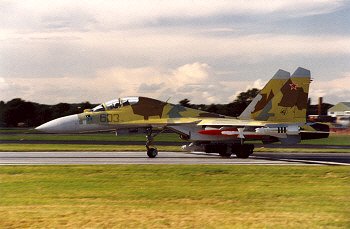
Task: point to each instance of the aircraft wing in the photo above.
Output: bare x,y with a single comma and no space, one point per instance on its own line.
230,122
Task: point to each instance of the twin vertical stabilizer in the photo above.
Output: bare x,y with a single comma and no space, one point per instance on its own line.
283,99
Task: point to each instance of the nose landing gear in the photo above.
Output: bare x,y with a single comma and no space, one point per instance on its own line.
152,151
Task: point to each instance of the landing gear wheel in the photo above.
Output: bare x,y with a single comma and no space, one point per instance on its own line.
242,154
152,152
244,151
225,154
250,149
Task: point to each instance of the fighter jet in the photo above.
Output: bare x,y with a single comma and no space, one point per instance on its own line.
276,114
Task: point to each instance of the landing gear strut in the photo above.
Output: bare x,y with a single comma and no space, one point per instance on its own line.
152,151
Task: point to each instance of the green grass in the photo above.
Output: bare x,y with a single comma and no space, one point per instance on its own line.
78,147
332,140
174,196
114,148
89,137
16,130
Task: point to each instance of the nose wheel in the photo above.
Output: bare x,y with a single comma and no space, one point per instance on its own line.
152,152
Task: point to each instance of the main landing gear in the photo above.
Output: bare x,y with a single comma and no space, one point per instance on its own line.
226,150
242,150
152,151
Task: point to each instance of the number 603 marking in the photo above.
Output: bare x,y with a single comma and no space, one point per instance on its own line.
109,118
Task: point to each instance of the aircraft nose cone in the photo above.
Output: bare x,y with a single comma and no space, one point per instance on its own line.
67,124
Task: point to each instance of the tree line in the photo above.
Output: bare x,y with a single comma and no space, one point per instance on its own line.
18,112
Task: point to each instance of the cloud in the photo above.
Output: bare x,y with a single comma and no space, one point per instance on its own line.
61,53
69,20
157,82
190,74
336,90
3,84
195,81
59,38
114,15
147,88
206,51
190,81
111,83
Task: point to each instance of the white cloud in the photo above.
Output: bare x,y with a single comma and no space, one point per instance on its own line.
130,81
113,14
187,81
240,86
194,81
111,83
190,74
78,53
54,51
335,90
3,84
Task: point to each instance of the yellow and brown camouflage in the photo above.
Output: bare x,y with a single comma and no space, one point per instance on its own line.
283,99
144,112
277,113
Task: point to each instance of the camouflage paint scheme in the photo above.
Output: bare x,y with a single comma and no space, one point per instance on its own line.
277,113
146,112
282,102
283,98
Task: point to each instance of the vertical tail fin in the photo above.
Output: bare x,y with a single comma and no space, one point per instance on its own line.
282,101
291,103
258,108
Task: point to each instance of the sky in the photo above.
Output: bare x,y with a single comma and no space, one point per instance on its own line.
207,51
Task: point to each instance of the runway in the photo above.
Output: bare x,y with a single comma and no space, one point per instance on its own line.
109,158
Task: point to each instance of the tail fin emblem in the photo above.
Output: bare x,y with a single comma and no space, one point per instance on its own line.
293,86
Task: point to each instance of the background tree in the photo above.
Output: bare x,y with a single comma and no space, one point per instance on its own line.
247,96
19,111
185,103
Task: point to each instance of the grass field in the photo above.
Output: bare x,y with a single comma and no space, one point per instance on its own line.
163,196
167,137
89,137
78,147
117,148
334,139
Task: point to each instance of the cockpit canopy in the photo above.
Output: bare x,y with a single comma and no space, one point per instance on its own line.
116,103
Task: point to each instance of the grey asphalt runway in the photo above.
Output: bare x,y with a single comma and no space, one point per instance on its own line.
80,158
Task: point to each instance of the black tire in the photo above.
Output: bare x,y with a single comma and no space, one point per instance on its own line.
243,151
242,154
152,152
250,149
225,154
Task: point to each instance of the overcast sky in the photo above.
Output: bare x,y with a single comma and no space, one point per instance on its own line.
207,51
